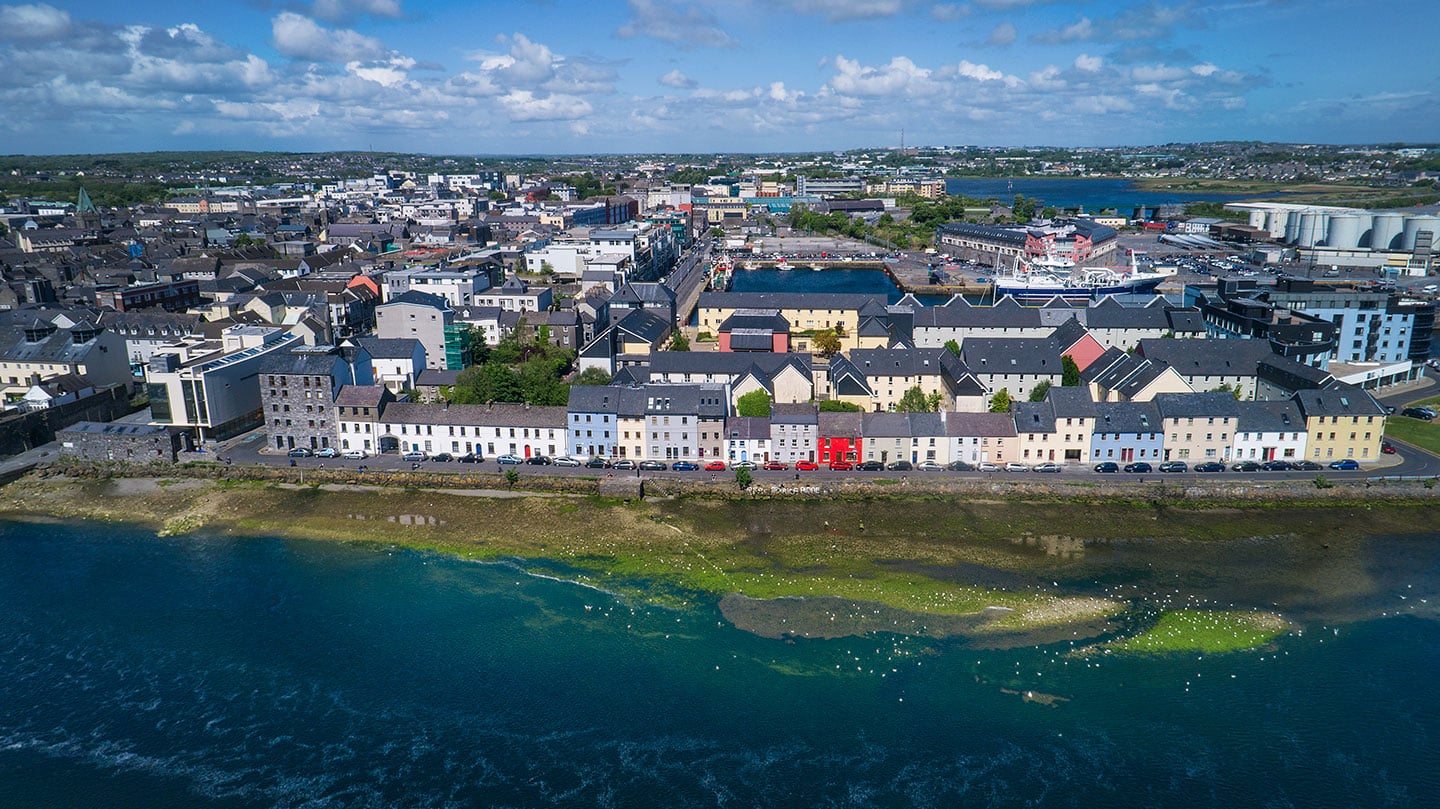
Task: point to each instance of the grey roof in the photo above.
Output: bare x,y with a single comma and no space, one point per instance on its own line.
706,400
299,363
1127,417
432,377
768,320
491,415
750,340
389,347
1343,400
361,396
1033,417
798,413
839,424
1071,403
113,428
419,299
644,324
1269,417
1196,405
747,428
1012,355
1290,375
57,345
926,424
717,362
886,425
788,300
1109,313
1208,357
960,313
982,425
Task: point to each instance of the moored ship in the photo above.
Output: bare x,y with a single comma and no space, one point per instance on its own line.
1038,279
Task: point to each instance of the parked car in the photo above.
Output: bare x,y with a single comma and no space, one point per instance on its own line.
1210,466
715,466
806,466
1245,466
353,454
327,452
538,460
1014,466
299,452
1422,413
685,466
598,463
413,455
1048,466
653,466
871,466
745,465
841,466
471,457
959,466
509,460
1277,465
1138,467
1388,448
930,466
623,463
444,457
986,466
900,466
1107,466
776,466
1346,465
1174,466
1307,466
566,460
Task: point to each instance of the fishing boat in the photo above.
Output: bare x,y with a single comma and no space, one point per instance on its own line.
1036,279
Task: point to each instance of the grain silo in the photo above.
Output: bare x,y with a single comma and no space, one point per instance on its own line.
1384,228
1343,231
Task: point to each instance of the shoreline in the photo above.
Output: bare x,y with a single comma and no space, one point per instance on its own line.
932,566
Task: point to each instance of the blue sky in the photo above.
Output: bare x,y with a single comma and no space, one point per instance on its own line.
556,76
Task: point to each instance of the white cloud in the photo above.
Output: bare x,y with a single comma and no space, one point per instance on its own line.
1004,34
777,92
686,26
523,105
300,37
900,76
678,80
392,72
1081,29
949,12
1089,64
1149,22
33,23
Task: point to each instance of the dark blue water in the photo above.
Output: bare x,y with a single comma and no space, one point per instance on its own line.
805,279
1068,193
216,672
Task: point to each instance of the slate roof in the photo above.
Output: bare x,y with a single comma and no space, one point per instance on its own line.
759,320
663,363
1033,417
839,424
299,363
1012,355
789,300
418,298
747,428
886,425
1343,400
1208,358
389,348
361,396
1128,417
487,415
434,377
797,413
1196,405
1269,417
981,425
1071,403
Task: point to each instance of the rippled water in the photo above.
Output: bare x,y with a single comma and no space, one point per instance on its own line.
207,671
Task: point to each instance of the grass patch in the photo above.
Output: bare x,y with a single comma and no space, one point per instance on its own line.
1423,434
1203,631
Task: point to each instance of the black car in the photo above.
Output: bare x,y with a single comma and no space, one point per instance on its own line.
871,466
538,460
1173,466
653,466
901,466
1418,413
624,463
1138,466
960,466
470,457
1210,466
1107,466
444,457
597,463
1307,466
1245,466
1277,466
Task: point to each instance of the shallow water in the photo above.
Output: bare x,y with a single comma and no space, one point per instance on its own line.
212,671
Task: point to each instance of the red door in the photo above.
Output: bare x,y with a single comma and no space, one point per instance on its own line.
1127,455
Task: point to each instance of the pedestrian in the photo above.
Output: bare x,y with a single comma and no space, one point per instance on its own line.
292,461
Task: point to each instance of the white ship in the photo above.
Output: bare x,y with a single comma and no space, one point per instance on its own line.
1038,279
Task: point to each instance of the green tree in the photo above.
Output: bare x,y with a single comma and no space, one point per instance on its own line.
914,400
953,347
679,342
1049,212
546,268
743,478
1000,402
512,477
1037,394
1069,372
1226,388
826,343
755,404
837,406
592,376
491,382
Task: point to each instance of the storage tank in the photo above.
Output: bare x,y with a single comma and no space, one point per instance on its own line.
1275,223
1343,231
1413,226
1292,226
1384,228
1312,228
1257,218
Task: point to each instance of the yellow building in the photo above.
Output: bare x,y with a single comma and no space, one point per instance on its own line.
1343,423
805,312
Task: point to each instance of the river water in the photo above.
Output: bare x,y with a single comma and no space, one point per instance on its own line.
221,672
1091,194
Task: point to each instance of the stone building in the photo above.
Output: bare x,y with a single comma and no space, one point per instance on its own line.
98,441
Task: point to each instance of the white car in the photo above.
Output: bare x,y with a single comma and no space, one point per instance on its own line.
327,452
986,466
565,460
353,454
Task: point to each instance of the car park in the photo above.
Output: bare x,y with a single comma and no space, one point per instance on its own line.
597,463
327,452
685,466
1138,467
443,457
776,466
1210,466
871,466
353,455
986,466
566,460
299,452
509,460
470,457
929,466
715,466
538,460
806,466
624,463
1173,466
653,466
1245,466
1048,466
1346,465
1107,466
413,455
900,466
841,466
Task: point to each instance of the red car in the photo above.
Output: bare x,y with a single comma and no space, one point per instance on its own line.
715,466
1388,448
776,466
806,466
841,466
